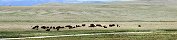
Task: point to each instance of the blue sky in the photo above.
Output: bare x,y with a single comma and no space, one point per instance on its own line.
35,2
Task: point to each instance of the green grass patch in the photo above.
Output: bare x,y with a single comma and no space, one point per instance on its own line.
17,34
152,36
167,29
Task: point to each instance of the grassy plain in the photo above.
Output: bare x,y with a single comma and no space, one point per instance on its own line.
151,36
159,18
89,13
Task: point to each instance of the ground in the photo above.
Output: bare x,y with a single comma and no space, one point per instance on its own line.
158,17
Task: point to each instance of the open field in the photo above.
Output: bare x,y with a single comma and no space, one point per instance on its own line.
149,36
165,30
158,17
25,26
165,34
89,13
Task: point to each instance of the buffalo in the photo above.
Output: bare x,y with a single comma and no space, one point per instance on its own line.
111,25
69,26
99,25
92,25
139,25
48,30
58,27
43,27
118,25
78,26
105,27
83,25
35,27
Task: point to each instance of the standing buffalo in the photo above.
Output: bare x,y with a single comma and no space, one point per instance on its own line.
105,27
99,25
118,25
35,27
69,26
58,27
92,25
83,25
111,25
139,25
48,30
78,26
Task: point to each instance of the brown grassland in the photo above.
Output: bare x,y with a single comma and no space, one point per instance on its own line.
158,17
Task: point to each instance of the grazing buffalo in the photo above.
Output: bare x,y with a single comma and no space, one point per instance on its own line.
111,25
48,30
83,25
51,27
47,27
92,25
118,25
74,27
59,27
78,26
43,27
35,27
105,27
54,27
69,26
99,25
139,25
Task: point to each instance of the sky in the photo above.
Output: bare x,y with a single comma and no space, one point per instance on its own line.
35,2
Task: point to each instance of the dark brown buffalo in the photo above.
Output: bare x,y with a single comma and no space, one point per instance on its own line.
112,25
48,30
99,25
59,27
118,25
35,27
43,27
139,25
83,25
69,26
92,25
78,26
105,27
54,27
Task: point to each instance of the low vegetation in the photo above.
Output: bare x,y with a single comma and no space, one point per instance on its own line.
157,34
17,34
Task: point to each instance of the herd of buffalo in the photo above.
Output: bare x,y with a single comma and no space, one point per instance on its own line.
48,28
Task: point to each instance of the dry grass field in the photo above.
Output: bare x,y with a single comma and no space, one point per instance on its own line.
157,16
24,26
90,13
